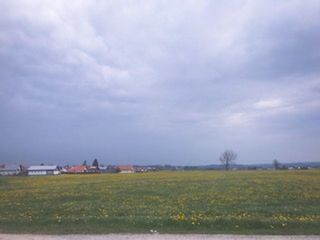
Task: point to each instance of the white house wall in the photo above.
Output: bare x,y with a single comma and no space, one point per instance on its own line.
9,173
126,171
41,173
36,173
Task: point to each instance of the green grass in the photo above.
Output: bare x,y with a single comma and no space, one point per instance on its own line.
245,202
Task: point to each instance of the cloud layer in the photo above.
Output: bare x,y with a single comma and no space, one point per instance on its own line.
150,82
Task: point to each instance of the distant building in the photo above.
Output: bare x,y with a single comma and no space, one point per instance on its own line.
10,169
93,169
43,170
126,169
108,169
103,168
77,169
141,169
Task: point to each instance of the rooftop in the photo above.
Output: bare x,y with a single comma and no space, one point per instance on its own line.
42,168
9,167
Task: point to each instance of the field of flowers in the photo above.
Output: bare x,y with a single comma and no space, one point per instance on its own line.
262,202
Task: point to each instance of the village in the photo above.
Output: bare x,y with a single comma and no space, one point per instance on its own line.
45,170
96,168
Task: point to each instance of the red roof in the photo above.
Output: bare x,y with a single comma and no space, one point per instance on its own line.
78,169
126,168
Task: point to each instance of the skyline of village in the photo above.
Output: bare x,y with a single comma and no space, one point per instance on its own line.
97,167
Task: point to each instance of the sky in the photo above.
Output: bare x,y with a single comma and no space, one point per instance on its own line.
159,82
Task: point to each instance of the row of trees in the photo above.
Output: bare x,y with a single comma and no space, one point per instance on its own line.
229,157
95,163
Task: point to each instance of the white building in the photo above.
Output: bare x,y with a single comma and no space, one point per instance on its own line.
10,170
43,170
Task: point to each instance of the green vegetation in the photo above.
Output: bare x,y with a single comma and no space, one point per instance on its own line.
260,202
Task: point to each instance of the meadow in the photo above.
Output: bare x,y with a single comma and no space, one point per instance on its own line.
245,202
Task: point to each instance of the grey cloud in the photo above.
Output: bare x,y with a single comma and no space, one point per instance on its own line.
154,82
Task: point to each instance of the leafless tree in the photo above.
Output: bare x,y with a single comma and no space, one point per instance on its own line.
227,158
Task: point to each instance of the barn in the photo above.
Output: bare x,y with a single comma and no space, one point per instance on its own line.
77,169
10,169
43,170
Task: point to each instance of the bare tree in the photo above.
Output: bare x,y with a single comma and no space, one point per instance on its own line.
227,158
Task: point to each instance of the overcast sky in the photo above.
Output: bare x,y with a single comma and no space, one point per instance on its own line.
159,82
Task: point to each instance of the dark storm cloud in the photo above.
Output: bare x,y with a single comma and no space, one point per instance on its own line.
159,81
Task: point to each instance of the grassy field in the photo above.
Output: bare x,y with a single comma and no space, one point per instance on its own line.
250,202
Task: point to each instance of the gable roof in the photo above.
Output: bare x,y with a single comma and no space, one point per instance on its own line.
79,168
126,168
10,167
43,168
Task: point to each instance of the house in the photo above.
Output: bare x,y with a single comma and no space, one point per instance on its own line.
141,169
10,169
103,168
77,169
93,169
43,170
126,169
108,169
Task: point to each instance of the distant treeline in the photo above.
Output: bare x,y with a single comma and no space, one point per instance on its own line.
284,166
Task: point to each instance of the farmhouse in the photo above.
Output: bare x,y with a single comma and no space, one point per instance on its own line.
126,169
10,170
108,169
93,169
43,170
78,169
